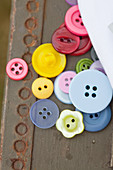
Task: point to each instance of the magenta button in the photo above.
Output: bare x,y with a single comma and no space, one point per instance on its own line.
65,80
97,66
17,69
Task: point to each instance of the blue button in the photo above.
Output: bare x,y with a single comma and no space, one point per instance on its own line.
94,55
90,91
97,121
63,97
44,113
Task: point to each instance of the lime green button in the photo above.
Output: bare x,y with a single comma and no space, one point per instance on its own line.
70,123
83,64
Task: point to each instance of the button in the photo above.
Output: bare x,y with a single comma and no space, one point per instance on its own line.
70,123
97,66
64,41
74,22
72,2
90,91
44,113
42,88
63,97
97,121
94,55
17,69
62,25
65,80
47,61
84,47
83,64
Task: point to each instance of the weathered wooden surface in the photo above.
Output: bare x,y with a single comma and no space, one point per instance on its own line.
23,145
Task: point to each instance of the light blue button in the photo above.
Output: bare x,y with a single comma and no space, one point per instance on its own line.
44,113
63,97
90,91
97,121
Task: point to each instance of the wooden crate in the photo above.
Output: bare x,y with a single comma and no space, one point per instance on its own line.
23,145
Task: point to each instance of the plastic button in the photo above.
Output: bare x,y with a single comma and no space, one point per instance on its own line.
42,88
64,41
94,55
84,47
74,22
72,2
47,61
97,66
70,123
63,97
97,121
83,64
65,80
90,91
17,69
44,113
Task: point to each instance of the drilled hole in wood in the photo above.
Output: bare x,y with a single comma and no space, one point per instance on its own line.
30,40
21,129
19,146
27,57
25,93
29,75
23,110
31,23
18,164
32,6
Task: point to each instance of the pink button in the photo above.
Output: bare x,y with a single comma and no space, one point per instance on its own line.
17,69
74,22
65,80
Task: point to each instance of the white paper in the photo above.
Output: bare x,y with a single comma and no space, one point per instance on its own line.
97,15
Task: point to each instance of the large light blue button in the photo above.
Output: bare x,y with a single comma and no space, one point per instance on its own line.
97,121
90,91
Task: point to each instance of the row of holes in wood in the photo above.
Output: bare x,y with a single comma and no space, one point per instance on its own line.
30,40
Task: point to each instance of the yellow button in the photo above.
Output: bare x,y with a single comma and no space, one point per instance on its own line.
42,88
70,123
47,61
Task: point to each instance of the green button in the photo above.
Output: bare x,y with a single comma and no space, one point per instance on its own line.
70,123
83,64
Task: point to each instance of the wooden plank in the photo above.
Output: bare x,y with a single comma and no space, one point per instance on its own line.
51,150
23,145
17,129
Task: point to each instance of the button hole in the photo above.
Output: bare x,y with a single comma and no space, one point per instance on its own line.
12,69
93,95
82,24
73,120
40,113
86,94
66,79
20,68
77,20
17,72
68,125
67,84
87,87
91,116
69,40
94,88
44,117
71,78
96,115
44,109
62,39
16,64
40,88
80,16
45,86
84,65
48,113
